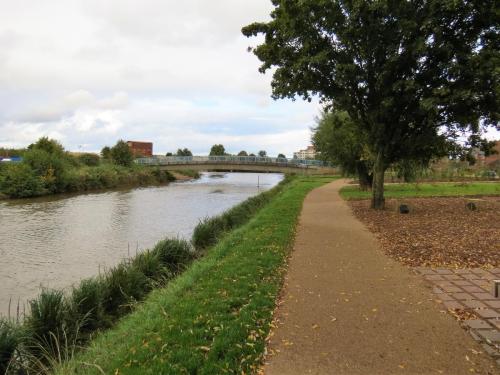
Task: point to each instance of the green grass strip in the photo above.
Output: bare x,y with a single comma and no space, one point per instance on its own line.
426,190
214,318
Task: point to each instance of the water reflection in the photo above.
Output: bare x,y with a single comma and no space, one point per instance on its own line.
56,241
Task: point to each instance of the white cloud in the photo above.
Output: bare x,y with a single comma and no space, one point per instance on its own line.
88,72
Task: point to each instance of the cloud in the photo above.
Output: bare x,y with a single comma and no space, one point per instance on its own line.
89,72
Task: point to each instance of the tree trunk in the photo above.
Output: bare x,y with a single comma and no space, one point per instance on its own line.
365,178
378,200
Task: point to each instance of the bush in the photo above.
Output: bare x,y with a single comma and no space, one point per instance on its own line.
121,154
47,322
150,265
20,181
175,254
86,305
122,286
208,232
10,338
90,160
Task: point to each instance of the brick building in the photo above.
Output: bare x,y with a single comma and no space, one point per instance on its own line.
141,148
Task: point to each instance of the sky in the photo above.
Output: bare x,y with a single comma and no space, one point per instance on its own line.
176,73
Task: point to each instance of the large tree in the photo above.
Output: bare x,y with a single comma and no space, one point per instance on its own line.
404,71
217,150
336,138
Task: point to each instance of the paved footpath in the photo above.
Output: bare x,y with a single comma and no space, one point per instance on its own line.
349,309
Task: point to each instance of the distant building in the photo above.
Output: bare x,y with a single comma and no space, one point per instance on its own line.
141,148
308,153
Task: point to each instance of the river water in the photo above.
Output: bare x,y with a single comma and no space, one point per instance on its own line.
56,241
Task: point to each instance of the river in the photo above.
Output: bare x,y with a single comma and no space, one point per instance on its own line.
56,241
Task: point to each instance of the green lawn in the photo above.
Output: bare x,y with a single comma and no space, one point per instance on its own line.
214,318
426,190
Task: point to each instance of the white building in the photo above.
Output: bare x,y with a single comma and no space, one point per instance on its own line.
308,153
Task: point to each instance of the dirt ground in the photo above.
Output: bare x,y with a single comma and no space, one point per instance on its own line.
437,231
348,309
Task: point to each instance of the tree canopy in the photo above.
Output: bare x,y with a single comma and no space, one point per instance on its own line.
282,156
406,72
184,152
217,150
242,153
122,154
262,153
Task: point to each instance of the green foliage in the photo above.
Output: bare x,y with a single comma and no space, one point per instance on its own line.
47,169
217,150
106,153
86,308
262,153
20,181
184,152
10,337
122,287
50,146
47,321
242,153
403,71
339,141
281,156
90,160
121,154
175,254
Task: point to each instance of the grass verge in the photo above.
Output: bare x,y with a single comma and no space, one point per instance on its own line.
214,318
426,190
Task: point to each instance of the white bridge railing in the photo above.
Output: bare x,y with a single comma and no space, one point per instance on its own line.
176,160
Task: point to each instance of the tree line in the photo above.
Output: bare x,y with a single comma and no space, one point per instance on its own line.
220,150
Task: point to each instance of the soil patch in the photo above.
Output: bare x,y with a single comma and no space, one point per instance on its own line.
437,231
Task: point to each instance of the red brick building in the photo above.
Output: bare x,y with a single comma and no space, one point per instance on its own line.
141,148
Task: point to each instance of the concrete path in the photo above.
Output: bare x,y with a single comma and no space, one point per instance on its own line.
349,309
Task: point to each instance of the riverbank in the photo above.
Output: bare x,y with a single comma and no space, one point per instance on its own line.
63,322
214,317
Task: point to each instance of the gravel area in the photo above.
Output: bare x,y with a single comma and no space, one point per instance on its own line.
438,232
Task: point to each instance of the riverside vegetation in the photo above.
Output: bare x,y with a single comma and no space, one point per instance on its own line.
46,168
206,312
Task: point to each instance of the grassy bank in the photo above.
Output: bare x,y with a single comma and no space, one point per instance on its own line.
214,318
60,323
426,190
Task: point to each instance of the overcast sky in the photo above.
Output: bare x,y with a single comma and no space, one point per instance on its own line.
177,73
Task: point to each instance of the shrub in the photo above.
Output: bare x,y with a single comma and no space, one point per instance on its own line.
47,322
86,305
88,159
122,286
10,338
150,265
121,154
208,232
175,254
20,181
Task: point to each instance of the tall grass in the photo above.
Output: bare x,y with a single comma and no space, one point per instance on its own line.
10,338
59,323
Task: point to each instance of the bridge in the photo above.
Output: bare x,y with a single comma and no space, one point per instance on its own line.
238,164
